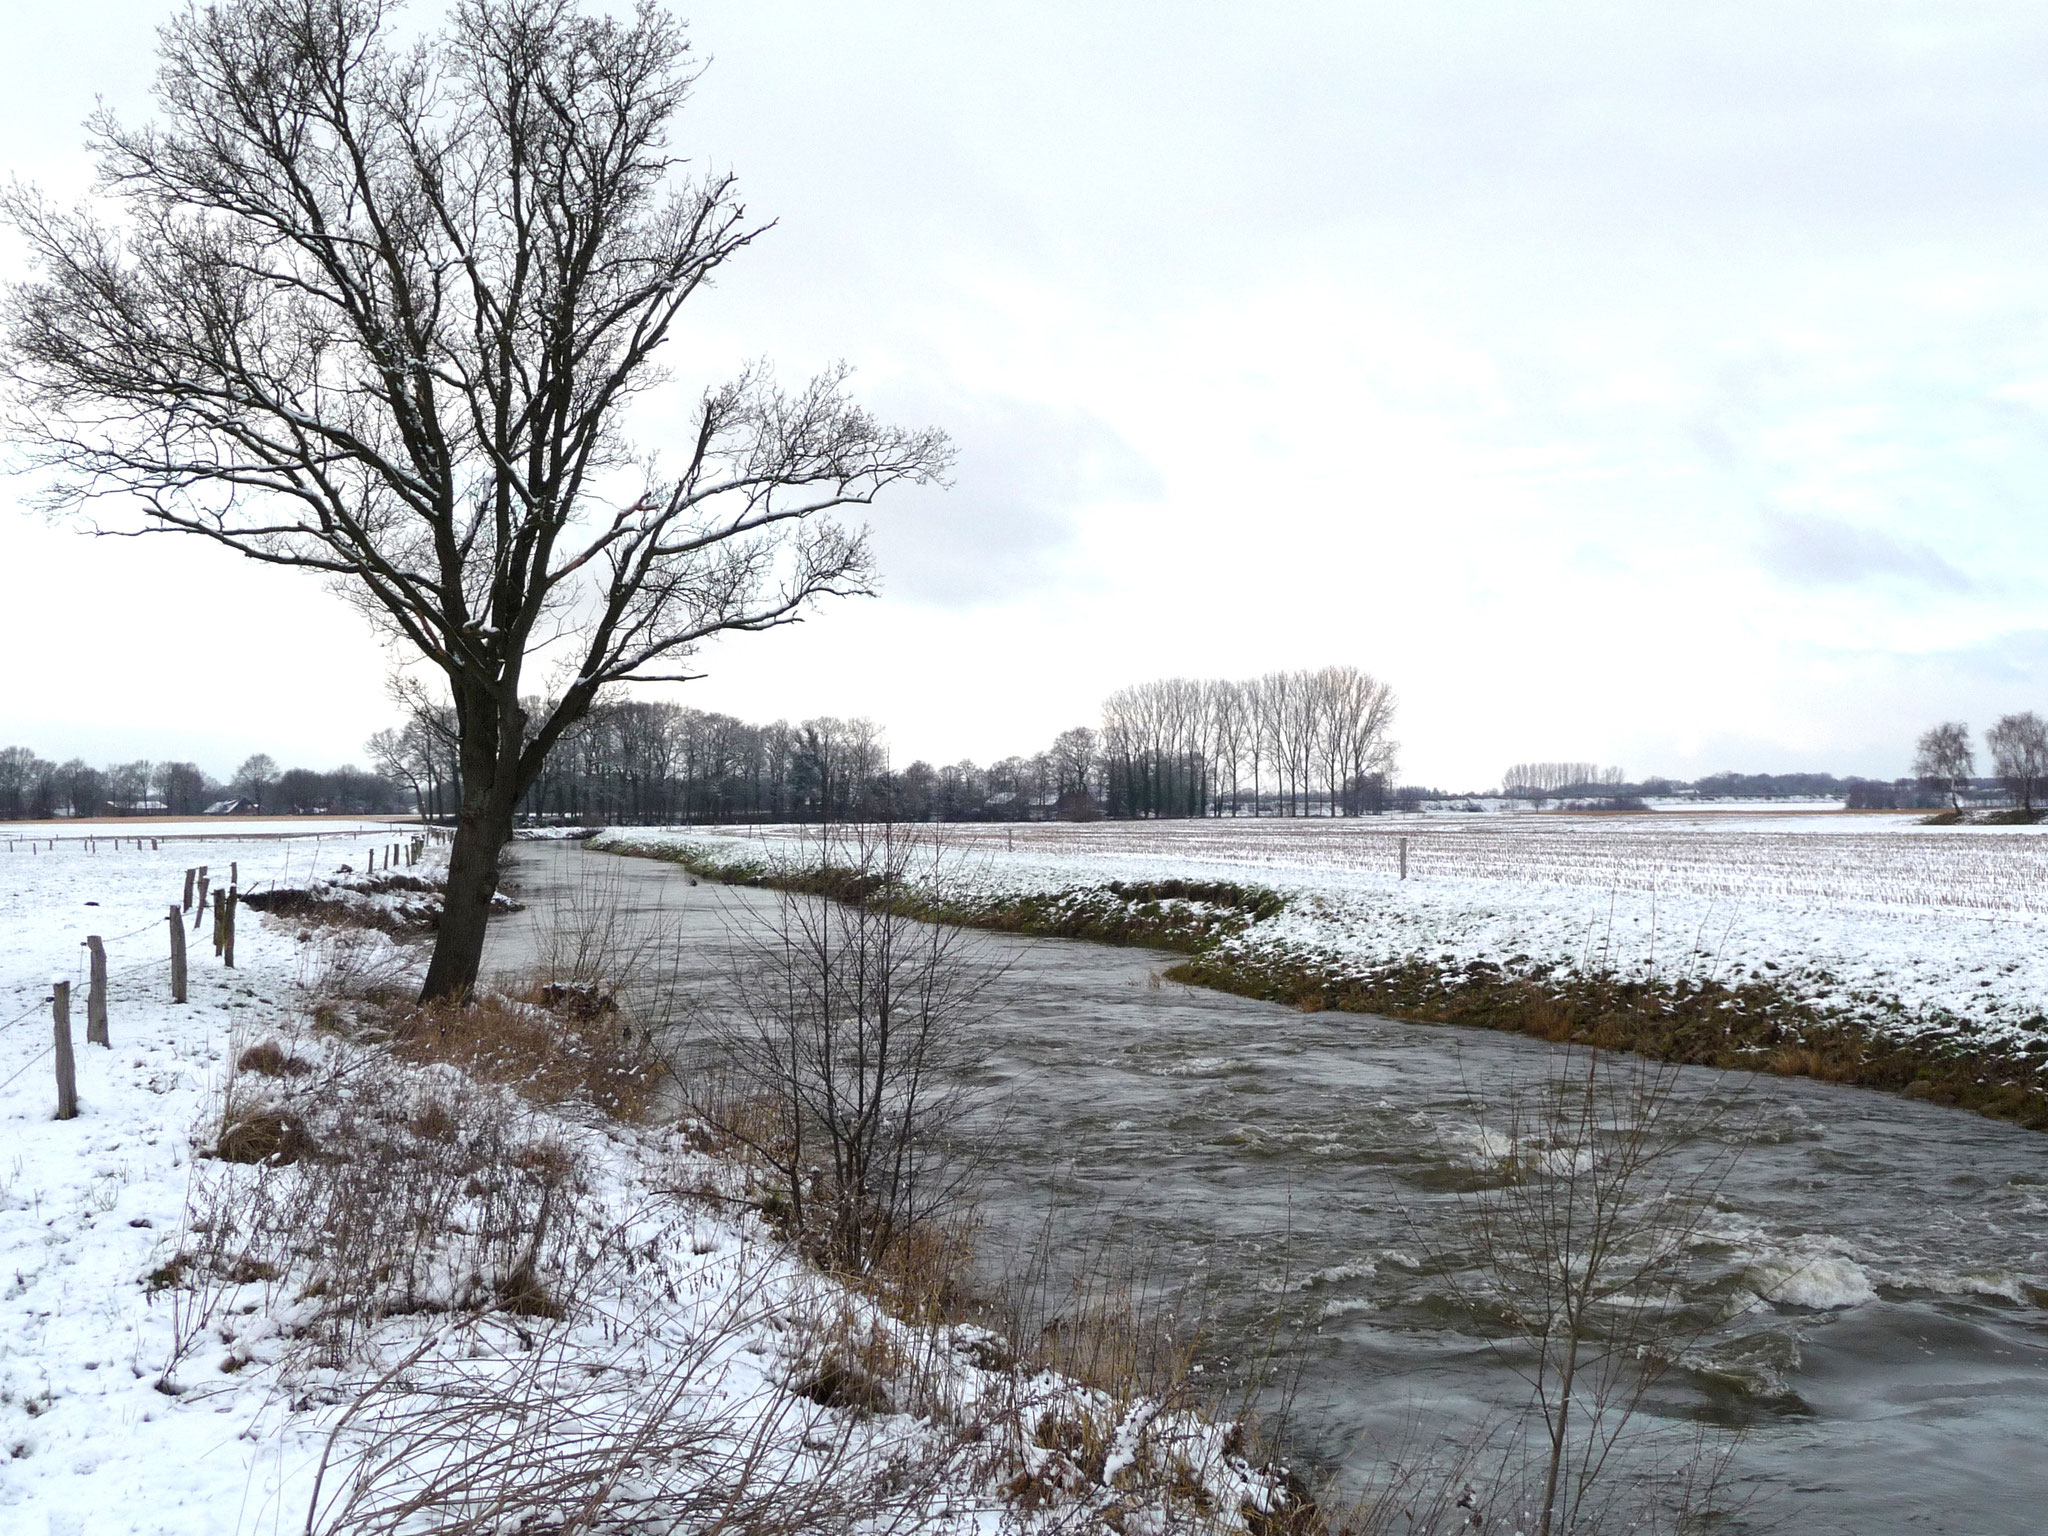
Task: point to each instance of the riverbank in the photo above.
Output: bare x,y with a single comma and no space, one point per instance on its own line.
309,1256
1936,1003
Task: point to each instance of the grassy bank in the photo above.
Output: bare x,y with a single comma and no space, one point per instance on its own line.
1755,1025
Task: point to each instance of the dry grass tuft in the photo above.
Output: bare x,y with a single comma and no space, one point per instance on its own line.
259,1132
856,1364
269,1059
553,1046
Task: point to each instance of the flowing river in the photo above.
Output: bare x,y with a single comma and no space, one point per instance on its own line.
1875,1271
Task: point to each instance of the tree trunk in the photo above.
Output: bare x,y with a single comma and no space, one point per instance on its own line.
480,836
482,830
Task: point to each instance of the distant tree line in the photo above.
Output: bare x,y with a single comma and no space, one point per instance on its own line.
627,761
35,789
1304,743
1529,780
1590,784
1289,743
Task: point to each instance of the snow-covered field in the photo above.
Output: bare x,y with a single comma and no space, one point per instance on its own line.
1911,927
134,1398
90,1206
130,829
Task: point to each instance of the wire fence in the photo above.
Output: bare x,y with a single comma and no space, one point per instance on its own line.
22,1070
173,911
26,1014
131,933
79,977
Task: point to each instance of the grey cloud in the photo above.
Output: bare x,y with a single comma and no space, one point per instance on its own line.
2013,659
1026,474
1811,551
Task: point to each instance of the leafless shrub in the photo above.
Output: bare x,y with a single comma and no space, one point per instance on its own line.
844,1039
588,934
1597,1188
1143,1431
1418,1487
443,1200
340,963
843,1351
648,1422
210,1270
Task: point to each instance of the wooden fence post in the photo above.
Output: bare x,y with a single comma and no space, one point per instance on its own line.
234,874
220,907
1404,858
96,995
227,947
199,912
67,1069
190,875
177,956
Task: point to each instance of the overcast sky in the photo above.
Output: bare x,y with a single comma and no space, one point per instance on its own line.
1660,385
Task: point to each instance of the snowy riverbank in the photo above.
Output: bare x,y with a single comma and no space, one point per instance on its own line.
1910,928
1854,948
192,1341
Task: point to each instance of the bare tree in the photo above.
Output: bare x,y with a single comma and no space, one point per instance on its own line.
83,787
374,309
128,784
1073,760
839,1056
1233,734
2019,754
253,780
1359,734
1603,1181
1944,758
181,787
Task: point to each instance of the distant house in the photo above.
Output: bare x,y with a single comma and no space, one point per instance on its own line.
140,808
1077,805
229,808
1008,805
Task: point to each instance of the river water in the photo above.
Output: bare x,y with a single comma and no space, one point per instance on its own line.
1875,1271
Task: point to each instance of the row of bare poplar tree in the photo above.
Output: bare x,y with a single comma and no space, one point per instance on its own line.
1301,743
